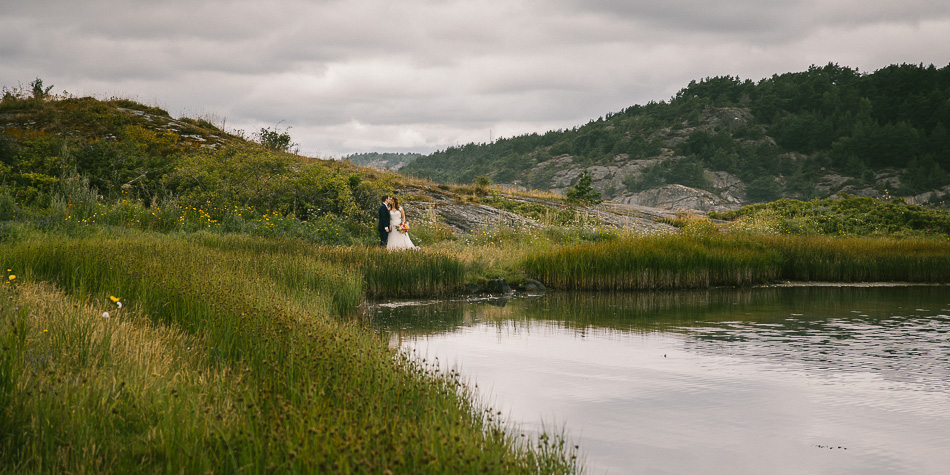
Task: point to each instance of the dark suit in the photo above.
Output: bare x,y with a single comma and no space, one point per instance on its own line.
383,224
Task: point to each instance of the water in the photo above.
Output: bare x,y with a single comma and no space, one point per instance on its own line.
767,380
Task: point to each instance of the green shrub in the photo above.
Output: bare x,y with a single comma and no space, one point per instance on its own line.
8,206
10,232
847,216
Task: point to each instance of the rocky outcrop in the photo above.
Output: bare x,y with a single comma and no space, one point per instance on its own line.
190,135
631,217
729,187
680,198
940,196
465,218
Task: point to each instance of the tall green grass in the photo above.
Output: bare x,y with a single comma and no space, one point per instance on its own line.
383,273
684,261
224,357
855,259
649,263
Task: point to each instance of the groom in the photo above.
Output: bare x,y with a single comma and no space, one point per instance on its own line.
383,226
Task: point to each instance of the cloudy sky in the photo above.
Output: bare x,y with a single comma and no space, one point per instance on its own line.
421,75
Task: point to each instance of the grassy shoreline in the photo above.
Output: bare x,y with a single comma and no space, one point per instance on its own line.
247,347
675,262
224,360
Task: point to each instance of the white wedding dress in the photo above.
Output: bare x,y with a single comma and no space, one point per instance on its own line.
398,240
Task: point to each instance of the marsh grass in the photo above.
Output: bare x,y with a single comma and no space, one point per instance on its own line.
861,259
704,259
227,356
652,263
383,274
88,394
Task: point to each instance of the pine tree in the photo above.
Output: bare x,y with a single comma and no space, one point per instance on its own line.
582,192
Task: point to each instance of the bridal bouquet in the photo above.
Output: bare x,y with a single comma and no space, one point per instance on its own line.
403,228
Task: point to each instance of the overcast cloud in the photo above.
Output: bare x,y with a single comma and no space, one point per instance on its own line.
421,75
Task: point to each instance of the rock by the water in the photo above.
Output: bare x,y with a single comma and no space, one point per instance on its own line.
498,286
532,285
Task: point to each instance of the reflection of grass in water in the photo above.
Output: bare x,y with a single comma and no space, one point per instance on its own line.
647,311
634,311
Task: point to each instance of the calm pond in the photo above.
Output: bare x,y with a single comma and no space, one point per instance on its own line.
763,380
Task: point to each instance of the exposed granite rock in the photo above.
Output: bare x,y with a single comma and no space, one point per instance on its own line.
604,178
729,186
941,195
468,217
831,182
679,197
632,217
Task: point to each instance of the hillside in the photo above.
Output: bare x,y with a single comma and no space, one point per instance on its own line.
77,161
68,162
723,142
382,161
60,157
182,298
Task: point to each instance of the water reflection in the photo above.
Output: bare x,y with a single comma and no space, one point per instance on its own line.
784,380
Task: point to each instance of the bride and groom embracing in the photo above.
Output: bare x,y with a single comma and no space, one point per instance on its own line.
393,227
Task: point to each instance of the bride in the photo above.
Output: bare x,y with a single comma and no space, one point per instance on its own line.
398,239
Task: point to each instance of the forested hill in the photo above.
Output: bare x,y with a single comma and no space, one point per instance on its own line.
803,134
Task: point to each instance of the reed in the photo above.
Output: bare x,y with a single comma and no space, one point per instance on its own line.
650,263
234,357
861,259
87,394
705,260
384,274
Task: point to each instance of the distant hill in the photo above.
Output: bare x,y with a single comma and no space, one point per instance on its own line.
382,161
722,142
